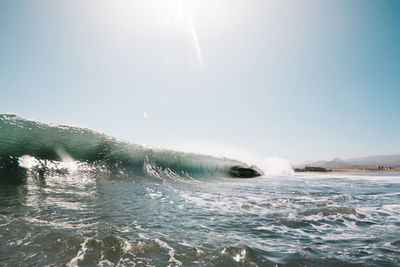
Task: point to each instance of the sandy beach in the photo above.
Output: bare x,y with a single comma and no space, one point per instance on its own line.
364,171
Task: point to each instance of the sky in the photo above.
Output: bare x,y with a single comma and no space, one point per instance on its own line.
302,80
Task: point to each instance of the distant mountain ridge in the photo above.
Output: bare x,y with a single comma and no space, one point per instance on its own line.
369,162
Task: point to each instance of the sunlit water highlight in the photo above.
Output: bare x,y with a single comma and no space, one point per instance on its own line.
94,218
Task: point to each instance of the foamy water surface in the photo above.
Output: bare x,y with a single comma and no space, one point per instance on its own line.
84,218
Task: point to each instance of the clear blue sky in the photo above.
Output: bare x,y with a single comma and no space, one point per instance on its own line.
296,79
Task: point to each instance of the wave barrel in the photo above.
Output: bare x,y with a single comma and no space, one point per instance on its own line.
20,137
244,172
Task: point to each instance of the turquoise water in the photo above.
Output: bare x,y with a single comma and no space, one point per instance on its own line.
87,213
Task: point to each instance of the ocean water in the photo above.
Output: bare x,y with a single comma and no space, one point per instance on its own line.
185,213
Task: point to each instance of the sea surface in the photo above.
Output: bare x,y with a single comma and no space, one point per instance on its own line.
73,197
80,219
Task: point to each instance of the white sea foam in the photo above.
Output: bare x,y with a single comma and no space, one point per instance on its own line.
80,255
276,166
171,252
27,162
272,165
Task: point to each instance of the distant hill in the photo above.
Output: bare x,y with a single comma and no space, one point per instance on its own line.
370,162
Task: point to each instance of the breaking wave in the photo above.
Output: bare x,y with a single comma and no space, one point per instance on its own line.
26,143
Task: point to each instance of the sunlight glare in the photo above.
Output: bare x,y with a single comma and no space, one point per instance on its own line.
174,11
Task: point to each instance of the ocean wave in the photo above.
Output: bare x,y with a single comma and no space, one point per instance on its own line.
48,144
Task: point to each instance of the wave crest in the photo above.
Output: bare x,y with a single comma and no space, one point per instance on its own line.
20,137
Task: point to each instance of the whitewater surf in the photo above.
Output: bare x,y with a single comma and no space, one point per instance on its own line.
20,137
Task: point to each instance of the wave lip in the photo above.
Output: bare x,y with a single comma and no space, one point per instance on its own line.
19,137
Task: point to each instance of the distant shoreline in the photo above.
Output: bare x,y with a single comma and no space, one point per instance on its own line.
322,170
364,171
